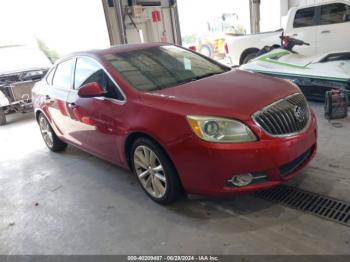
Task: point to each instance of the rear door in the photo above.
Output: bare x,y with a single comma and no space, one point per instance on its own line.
304,29
96,122
333,32
56,97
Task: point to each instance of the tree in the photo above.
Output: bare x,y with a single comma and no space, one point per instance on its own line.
50,53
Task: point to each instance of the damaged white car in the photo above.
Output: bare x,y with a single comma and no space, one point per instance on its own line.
20,68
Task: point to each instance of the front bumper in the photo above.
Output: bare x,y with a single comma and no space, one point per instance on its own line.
205,168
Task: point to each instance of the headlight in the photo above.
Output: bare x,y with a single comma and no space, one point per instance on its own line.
220,130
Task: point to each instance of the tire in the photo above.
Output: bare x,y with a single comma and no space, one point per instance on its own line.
2,118
249,57
157,176
50,138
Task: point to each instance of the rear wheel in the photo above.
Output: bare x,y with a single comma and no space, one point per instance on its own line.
155,171
2,118
50,138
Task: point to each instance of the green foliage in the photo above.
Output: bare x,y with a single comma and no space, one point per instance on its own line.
189,39
51,54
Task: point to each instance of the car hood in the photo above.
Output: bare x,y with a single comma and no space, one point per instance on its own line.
235,93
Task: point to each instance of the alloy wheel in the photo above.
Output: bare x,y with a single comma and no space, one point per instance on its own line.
46,132
150,171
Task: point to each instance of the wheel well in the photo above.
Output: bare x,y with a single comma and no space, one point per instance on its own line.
40,112
247,52
130,140
37,114
128,144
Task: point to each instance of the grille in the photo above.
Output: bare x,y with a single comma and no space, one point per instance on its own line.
316,204
284,117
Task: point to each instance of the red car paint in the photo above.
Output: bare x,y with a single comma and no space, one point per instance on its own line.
102,126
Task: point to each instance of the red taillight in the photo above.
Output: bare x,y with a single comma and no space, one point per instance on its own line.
285,41
226,48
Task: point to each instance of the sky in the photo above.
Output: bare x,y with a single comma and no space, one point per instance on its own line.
56,22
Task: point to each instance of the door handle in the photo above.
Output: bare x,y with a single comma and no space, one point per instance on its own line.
72,105
325,32
295,35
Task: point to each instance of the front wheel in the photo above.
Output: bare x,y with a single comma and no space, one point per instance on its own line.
2,117
155,171
50,138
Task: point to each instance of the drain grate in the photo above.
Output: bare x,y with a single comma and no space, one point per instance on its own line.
319,205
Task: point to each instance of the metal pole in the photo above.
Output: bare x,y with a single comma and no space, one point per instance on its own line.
254,7
120,20
175,20
109,28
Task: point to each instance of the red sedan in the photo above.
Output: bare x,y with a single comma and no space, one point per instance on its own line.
180,121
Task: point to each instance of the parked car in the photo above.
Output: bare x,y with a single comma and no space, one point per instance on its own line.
20,68
325,26
179,120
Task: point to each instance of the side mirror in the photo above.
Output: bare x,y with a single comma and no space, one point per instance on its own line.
91,90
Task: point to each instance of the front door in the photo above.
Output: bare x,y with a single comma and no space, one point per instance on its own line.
95,122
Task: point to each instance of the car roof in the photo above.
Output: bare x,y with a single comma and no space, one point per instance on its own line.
122,48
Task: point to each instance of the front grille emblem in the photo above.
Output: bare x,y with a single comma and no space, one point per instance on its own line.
286,116
299,114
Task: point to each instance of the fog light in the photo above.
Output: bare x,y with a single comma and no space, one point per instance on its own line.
242,180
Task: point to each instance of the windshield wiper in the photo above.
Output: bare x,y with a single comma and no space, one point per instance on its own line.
207,75
195,78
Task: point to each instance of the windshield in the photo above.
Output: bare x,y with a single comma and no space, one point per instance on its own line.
161,67
22,58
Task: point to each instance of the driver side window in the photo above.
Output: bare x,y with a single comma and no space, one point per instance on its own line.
88,71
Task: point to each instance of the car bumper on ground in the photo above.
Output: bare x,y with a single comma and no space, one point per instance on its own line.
207,168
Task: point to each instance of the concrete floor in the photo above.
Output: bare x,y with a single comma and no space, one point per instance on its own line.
74,203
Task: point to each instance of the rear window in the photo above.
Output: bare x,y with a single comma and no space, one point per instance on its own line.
161,67
63,74
304,17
